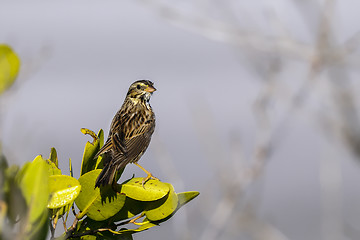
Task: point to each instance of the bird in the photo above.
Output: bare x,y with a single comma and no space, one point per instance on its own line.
130,134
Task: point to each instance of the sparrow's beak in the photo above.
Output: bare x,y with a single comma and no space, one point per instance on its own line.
150,89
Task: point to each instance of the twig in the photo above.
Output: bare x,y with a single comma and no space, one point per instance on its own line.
92,232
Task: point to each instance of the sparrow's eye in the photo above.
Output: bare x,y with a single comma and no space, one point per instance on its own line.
138,86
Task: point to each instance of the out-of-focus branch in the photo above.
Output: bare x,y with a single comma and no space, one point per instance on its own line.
324,57
235,187
231,33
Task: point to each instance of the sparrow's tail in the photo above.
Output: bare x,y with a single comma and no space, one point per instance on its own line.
107,176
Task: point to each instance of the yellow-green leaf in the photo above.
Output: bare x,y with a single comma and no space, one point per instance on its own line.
186,197
9,67
52,168
146,224
39,229
71,168
91,148
183,198
130,209
60,211
97,205
16,204
33,181
152,190
160,211
63,189
53,157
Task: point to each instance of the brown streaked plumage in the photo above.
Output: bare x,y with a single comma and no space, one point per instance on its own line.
130,133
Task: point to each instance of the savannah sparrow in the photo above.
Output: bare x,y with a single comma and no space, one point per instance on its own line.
130,133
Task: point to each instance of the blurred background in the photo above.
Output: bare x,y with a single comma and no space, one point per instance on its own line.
257,104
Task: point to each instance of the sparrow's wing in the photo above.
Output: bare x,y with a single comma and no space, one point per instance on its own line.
129,137
106,148
135,140
115,139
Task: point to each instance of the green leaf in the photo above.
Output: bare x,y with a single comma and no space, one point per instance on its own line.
33,182
152,190
113,235
22,171
87,224
53,157
53,164
34,186
39,229
146,224
88,237
3,162
9,67
88,161
71,168
183,198
16,204
95,203
156,211
130,209
3,167
52,168
63,189
58,212
186,197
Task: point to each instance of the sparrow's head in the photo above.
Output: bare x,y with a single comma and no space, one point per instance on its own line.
141,90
